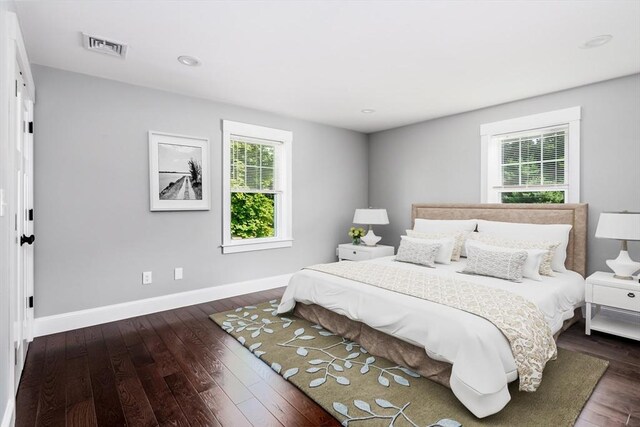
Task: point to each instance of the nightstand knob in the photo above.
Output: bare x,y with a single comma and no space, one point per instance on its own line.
354,252
631,295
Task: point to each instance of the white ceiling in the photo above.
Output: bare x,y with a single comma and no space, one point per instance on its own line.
325,61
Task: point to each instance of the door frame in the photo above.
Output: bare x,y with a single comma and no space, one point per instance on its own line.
16,59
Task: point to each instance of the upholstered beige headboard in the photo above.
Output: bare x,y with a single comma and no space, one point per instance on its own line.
574,214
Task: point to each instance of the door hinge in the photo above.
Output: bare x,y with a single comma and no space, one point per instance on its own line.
30,302
16,88
30,127
30,214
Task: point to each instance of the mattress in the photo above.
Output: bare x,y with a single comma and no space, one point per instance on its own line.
481,358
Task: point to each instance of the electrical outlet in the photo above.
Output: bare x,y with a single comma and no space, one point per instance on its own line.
146,278
177,273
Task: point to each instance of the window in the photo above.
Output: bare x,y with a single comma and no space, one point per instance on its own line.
532,159
256,187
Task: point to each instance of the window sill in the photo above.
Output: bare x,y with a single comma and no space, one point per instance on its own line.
249,246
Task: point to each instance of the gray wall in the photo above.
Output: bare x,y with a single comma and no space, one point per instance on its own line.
95,233
439,160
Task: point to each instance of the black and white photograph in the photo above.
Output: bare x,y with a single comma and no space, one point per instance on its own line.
178,170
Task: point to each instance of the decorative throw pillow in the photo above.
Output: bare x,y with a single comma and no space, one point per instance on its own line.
446,247
417,252
458,236
445,226
546,264
495,262
531,269
524,231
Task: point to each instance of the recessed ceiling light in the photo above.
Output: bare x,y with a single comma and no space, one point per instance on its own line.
189,60
596,41
368,111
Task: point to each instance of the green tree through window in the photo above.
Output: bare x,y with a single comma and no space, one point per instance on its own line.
253,196
533,197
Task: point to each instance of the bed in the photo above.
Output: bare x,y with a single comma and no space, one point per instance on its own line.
455,348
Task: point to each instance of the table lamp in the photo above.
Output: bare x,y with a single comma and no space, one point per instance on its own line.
622,226
371,217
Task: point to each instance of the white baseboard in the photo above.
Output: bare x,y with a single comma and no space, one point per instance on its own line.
7,417
96,316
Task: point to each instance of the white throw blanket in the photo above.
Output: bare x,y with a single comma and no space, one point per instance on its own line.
520,321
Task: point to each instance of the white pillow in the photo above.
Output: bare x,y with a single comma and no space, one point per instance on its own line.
445,226
550,247
458,238
550,232
531,267
446,247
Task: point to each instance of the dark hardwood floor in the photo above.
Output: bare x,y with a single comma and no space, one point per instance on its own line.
179,368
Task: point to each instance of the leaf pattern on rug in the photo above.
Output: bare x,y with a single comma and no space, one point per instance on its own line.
331,366
304,360
369,413
253,322
330,360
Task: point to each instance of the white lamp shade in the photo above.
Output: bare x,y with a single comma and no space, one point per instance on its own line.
619,225
370,216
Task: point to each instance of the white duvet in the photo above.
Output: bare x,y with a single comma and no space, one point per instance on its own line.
482,361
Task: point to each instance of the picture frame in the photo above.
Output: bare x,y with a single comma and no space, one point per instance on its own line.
179,172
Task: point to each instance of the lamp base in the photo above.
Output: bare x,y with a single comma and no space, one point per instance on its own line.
623,267
370,239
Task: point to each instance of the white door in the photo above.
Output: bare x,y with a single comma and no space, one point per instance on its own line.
23,167
28,248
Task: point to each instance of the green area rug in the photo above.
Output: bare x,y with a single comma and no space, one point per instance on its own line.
361,389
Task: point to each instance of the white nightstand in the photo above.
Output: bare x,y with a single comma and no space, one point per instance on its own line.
602,289
362,252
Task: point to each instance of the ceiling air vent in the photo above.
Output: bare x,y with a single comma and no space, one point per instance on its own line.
102,45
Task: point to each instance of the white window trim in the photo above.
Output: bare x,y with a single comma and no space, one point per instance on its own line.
568,116
284,172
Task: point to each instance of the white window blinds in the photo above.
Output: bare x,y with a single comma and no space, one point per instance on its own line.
533,159
253,165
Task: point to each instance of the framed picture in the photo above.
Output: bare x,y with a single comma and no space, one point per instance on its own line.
178,172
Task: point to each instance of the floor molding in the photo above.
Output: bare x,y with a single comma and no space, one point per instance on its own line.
7,417
95,316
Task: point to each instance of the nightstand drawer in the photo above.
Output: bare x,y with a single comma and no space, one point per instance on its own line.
354,254
616,297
